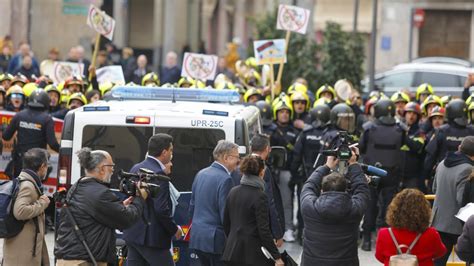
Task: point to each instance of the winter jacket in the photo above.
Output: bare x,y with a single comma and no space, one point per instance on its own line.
332,219
450,179
98,212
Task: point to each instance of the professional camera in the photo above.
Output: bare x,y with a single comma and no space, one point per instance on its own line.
343,151
129,182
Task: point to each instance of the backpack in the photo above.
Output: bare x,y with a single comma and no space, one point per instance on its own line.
403,259
9,225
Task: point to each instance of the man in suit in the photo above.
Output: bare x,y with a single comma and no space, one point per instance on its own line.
209,192
149,240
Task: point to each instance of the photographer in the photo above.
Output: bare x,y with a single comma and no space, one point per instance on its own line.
96,210
332,206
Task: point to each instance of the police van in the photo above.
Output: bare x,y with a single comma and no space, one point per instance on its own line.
122,125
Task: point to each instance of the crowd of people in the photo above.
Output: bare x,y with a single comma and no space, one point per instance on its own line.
423,141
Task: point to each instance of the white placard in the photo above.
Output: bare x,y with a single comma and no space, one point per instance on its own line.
293,18
60,71
199,66
110,73
101,22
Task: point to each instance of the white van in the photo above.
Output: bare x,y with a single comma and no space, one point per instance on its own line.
122,125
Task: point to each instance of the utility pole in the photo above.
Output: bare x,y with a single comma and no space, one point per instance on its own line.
373,43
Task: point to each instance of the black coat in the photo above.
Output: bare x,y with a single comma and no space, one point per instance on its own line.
332,219
98,212
465,246
246,225
468,194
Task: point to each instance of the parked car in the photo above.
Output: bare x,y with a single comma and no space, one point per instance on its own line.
442,60
446,79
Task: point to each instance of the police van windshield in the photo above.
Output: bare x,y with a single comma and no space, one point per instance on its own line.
128,146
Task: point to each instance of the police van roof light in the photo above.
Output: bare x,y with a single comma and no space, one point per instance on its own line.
174,94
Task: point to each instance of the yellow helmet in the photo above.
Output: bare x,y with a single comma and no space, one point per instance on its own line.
251,62
432,99
253,78
186,82
325,88
6,76
200,84
400,96
470,99
297,87
106,87
280,105
424,88
15,89
470,108
52,88
446,99
321,101
225,86
151,77
65,95
28,88
299,96
77,96
20,78
250,92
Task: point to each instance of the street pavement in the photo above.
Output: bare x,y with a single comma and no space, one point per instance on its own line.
294,249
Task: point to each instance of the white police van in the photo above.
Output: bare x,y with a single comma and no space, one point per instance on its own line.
122,125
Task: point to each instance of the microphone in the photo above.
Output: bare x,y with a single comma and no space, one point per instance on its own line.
373,170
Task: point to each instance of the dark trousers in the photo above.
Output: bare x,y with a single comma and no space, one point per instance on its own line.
380,198
449,240
140,255
210,259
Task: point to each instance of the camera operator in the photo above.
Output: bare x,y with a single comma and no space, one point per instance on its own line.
332,206
97,211
149,240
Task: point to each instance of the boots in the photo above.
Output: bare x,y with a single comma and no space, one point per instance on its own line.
366,241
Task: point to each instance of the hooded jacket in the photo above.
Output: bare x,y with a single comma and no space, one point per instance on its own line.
332,219
450,179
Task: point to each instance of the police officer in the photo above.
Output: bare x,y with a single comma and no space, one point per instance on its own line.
284,134
266,116
34,127
308,144
380,145
412,151
448,137
342,118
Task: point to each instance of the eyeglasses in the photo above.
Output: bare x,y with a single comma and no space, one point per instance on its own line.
109,165
235,156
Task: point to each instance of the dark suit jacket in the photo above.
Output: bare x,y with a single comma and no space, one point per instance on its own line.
210,189
246,225
161,226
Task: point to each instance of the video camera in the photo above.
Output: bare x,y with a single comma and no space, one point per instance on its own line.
343,153
129,182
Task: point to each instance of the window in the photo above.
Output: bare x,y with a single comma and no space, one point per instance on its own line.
192,152
440,79
127,145
404,79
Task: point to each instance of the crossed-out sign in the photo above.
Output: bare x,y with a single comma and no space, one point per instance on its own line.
199,66
293,18
101,22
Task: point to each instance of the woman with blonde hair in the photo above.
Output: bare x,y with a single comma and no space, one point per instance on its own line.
408,216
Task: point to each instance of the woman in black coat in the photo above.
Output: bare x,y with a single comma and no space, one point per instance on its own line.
246,219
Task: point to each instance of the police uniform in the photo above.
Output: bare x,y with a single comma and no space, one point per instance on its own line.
446,138
285,136
412,158
308,144
35,129
380,144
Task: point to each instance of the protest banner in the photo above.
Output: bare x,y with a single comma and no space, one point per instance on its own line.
110,73
199,66
59,71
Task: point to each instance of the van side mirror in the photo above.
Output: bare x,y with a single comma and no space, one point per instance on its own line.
278,157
